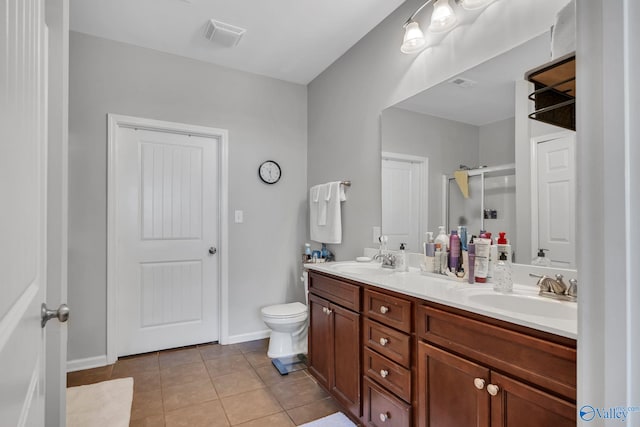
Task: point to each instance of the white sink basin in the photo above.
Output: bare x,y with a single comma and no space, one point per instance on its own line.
527,304
368,269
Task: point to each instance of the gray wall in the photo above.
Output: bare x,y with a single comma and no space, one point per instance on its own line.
446,143
346,100
266,119
497,143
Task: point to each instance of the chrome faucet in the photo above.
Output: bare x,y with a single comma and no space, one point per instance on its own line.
388,260
557,288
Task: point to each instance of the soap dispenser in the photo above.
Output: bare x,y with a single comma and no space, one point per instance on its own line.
502,280
401,259
541,260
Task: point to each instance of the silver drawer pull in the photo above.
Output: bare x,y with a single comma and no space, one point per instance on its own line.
384,373
384,417
384,309
383,341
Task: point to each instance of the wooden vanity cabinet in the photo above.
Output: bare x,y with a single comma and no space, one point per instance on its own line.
395,360
471,373
334,339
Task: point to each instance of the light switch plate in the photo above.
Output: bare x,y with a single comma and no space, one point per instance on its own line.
239,217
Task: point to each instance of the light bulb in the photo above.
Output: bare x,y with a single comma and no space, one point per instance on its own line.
474,4
443,18
413,41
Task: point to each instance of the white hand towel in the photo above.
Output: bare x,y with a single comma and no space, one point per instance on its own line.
332,194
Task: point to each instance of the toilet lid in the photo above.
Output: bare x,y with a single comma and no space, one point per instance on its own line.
285,310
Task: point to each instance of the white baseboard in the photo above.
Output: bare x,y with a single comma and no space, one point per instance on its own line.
252,336
87,363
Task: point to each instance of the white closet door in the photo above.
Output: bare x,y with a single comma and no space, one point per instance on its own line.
556,199
166,224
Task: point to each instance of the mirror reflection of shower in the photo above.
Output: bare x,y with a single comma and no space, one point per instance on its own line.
481,198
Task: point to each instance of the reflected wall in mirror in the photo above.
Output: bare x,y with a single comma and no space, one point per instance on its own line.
476,119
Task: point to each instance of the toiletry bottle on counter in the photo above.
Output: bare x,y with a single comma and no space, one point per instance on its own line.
454,251
483,247
502,281
541,260
443,239
504,246
463,237
437,268
430,257
493,259
307,252
401,259
471,247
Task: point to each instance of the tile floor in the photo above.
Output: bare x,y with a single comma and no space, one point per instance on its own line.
214,385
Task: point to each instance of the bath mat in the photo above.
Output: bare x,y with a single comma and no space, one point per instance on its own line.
105,404
286,365
334,420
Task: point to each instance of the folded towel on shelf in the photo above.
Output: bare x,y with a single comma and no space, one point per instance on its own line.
462,179
325,212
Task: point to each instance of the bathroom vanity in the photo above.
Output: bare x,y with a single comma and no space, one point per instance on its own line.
403,349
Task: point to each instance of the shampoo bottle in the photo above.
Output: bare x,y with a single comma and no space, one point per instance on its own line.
430,257
454,251
443,239
437,267
483,247
472,261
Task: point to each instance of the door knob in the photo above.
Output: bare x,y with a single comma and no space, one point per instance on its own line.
479,383
62,313
212,250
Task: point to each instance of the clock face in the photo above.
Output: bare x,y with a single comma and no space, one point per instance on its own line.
270,172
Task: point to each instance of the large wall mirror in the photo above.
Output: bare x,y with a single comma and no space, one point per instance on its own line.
475,121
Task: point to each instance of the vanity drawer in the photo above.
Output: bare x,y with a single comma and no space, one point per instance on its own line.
337,291
389,374
380,408
391,311
545,363
387,341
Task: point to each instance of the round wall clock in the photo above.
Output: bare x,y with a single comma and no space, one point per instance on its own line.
270,172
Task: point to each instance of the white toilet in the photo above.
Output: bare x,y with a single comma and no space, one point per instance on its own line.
288,324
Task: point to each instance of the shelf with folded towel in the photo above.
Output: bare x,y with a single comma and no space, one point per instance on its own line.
555,92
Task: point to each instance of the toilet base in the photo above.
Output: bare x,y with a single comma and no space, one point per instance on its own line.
283,344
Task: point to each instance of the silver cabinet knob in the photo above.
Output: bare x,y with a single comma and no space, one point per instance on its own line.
493,389
384,417
384,309
329,311
384,373
383,341
479,383
62,313
212,250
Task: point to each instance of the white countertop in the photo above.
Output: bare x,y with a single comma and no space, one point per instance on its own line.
523,307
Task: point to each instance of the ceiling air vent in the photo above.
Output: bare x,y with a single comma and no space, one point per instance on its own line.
224,34
462,82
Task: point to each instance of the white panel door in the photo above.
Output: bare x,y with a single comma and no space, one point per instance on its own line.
166,224
23,150
401,203
556,199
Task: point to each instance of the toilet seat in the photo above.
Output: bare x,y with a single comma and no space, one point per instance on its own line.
284,311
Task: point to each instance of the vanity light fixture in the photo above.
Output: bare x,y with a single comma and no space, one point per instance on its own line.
443,18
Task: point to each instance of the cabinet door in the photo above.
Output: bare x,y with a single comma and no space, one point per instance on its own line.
346,357
447,391
519,405
320,341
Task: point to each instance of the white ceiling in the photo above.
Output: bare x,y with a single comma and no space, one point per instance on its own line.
292,40
493,97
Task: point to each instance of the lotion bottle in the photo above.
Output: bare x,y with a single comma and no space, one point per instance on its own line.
401,260
503,281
